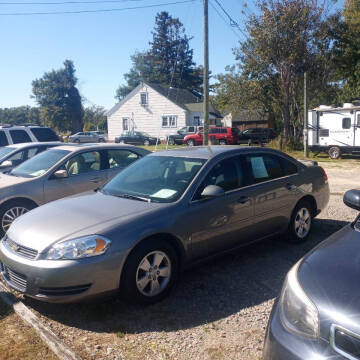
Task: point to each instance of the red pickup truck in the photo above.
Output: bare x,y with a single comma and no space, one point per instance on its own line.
222,135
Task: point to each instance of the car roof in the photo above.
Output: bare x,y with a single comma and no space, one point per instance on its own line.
208,152
32,144
98,146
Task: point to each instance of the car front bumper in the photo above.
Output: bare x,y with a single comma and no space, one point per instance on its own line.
280,344
61,281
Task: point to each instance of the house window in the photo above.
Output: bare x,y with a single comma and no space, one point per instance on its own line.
196,120
125,123
169,121
143,98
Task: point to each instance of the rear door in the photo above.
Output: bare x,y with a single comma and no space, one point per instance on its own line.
86,171
222,223
275,189
117,160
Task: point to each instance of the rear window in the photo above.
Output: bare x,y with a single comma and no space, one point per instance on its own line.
19,136
3,139
44,134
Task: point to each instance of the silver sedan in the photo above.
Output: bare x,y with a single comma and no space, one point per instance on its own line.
159,215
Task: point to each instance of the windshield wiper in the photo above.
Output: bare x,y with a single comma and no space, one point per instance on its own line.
134,197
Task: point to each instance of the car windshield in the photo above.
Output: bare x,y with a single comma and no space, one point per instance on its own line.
6,150
39,164
155,178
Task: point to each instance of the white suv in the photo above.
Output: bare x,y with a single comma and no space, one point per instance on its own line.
10,134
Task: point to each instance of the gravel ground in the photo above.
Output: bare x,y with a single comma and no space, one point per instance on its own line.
219,310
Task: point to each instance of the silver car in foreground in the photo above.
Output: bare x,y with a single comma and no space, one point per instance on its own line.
59,172
162,213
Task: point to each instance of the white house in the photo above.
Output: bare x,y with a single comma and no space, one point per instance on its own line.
157,110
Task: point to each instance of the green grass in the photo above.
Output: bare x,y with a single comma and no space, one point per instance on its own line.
298,154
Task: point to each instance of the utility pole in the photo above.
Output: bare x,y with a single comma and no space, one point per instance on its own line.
206,74
306,150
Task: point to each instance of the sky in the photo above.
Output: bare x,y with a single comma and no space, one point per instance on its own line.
100,44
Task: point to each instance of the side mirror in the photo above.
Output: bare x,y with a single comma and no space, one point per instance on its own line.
212,191
61,174
352,199
6,163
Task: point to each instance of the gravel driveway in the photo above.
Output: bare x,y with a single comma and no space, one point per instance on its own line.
218,310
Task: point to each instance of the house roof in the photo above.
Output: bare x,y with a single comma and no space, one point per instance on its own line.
179,97
199,107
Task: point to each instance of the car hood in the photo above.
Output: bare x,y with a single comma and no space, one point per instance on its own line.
73,217
330,276
10,180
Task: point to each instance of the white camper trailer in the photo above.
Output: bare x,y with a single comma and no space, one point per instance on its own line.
335,130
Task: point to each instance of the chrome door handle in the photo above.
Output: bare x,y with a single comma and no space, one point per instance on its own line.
95,180
243,199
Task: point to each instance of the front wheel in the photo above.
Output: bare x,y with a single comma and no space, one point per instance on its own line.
171,141
146,142
300,222
150,272
190,143
222,142
11,211
334,152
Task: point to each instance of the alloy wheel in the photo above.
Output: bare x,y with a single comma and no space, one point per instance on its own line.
146,142
302,223
11,215
153,273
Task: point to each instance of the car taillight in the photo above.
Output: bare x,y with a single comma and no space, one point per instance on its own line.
325,175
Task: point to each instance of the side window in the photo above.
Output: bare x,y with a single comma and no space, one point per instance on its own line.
44,134
121,158
346,123
19,136
83,163
34,151
191,129
264,167
227,174
289,168
3,139
17,158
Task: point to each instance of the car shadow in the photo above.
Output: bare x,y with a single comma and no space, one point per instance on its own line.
205,293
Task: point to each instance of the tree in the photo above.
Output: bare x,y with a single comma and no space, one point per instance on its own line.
286,38
169,61
94,118
59,99
346,34
20,115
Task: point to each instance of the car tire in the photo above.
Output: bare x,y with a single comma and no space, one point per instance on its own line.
171,141
77,141
146,142
334,152
140,273
249,142
301,222
190,143
222,142
101,140
12,210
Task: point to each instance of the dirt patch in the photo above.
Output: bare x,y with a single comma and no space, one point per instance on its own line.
19,341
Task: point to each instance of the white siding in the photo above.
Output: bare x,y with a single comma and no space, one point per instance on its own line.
146,118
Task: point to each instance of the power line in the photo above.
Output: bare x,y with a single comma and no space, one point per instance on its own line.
94,11
65,2
233,23
225,21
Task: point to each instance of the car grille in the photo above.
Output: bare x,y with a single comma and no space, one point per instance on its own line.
63,291
13,278
19,249
345,342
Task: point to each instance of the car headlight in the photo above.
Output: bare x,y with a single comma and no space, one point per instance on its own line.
298,313
83,247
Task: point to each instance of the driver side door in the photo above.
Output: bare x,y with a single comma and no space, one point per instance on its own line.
224,222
